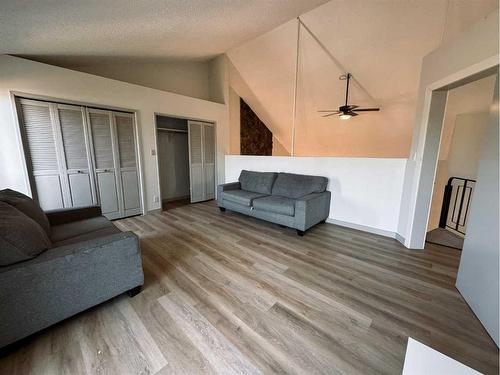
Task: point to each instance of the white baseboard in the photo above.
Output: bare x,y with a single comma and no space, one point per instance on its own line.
364,228
400,238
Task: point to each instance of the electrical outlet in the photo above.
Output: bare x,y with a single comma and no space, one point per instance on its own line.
156,199
153,152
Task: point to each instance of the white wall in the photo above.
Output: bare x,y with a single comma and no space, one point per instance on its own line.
473,51
478,272
234,122
26,76
184,78
470,98
366,192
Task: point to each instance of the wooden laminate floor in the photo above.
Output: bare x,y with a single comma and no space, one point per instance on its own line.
228,294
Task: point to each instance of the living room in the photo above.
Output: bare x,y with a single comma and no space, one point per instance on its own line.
296,243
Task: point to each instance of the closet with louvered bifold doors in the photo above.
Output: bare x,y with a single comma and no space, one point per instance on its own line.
79,156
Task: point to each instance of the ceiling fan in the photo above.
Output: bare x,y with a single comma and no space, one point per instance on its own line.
346,111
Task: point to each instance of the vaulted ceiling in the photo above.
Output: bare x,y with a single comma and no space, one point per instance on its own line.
381,43
76,32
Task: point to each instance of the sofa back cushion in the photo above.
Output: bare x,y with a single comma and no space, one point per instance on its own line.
298,185
21,238
27,206
257,182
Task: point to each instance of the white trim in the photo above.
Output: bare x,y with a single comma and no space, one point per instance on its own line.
471,70
400,239
295,86
22,150
364,228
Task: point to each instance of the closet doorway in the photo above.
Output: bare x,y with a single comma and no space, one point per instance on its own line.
186,160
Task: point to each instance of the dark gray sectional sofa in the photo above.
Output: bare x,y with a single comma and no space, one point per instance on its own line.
54,265
291,200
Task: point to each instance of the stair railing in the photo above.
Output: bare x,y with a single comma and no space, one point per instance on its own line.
457,196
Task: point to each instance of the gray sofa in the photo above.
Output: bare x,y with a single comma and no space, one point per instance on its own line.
54,265
291,200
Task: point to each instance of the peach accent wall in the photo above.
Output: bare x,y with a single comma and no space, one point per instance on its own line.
278,149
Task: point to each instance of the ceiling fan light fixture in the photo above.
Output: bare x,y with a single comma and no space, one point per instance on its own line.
345,116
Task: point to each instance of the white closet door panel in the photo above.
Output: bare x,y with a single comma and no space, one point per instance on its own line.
196,161
197,183
209,160
209,181
130,190
73,136
81,191
39,135
76,154
126,140
106,183
195,139
208,144
48,188
100,125
41,152
127,165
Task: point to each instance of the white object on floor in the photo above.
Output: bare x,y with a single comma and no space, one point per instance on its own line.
423,360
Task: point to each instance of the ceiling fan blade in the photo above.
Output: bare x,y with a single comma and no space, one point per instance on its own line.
329,110
351,113
366,109
351,107
331,114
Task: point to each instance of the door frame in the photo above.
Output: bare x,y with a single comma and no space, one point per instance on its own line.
213,122
430,135
14,95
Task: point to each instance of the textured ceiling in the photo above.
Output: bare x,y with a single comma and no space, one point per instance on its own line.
89,32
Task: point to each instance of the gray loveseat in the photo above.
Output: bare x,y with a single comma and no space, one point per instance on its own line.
291,200
55,265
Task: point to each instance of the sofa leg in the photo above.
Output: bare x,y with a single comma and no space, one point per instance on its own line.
222,209
323,221
134,291
300,233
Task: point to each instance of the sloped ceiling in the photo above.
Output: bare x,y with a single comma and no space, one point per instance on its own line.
381,43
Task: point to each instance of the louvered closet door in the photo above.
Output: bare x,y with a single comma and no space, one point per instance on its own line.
209,160
76,153
196,161
127,168
41,153
104,162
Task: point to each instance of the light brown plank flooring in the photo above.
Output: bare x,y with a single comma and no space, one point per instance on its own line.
228,294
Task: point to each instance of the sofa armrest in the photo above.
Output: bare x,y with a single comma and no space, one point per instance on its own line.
225,187
312,209
230,186
68,215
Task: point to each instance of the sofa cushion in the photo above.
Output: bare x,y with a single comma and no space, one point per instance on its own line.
257,182
27,206
77,228
298,185
107,231
242,197
278,205
21,238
